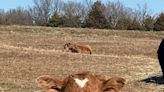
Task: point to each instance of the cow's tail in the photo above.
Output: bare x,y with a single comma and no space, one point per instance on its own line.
89,48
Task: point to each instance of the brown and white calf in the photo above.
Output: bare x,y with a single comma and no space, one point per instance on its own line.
77,48
82,82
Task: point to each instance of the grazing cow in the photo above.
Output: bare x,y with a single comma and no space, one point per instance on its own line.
82,82
160,53
76,48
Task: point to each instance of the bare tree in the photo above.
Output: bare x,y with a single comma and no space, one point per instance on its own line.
41,11
44,9
141,14
57,6
115,11
144,13
73,9
74,13
2,17
88,4
19,16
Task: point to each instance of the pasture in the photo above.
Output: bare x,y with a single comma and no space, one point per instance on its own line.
28,52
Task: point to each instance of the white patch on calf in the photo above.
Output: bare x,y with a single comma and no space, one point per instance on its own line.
81,83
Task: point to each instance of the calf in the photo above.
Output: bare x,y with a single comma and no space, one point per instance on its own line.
82,82
76,48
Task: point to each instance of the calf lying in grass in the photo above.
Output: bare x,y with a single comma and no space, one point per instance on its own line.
76,48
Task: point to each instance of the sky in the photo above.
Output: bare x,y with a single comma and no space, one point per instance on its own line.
10,4
156,6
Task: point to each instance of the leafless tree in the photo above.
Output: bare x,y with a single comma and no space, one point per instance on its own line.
74,13
2,17
57,6
19,16
73,9
41,11
88,4
114,11
44,9
143,12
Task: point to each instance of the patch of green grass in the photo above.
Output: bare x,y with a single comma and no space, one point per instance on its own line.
8,86
11,87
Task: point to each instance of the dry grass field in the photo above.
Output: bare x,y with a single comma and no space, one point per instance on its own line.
28,52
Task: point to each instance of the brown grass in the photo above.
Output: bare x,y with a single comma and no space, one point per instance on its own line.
28,52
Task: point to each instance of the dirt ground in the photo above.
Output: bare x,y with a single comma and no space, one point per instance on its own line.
28,52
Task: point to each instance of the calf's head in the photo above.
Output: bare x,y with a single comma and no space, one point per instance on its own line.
82,82
68,47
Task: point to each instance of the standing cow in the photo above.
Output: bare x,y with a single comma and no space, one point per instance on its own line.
160,53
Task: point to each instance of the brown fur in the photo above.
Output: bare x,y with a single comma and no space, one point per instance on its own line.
114,84
94,84
48,83
76,48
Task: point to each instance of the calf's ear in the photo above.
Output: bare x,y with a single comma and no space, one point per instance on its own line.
101,78
113,84
47,82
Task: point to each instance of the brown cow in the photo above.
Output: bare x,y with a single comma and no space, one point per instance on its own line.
76,48
82,82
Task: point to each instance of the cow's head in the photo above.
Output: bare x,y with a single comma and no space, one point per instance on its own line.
82,82
67,47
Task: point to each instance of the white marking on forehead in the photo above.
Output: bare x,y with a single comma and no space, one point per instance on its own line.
81,83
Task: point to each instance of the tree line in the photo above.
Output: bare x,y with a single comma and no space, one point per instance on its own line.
86,14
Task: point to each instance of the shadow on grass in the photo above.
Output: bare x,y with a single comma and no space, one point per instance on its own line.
154,79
